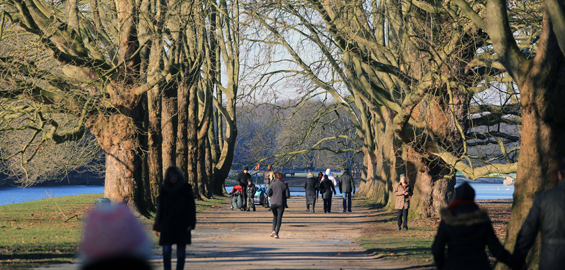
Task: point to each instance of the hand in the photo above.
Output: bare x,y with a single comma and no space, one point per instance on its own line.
156,233
405,193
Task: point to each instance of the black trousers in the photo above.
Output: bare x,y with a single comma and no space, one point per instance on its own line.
327,205
403,212
313,206
278,211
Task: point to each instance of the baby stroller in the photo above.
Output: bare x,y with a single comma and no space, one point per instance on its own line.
236,197
260,196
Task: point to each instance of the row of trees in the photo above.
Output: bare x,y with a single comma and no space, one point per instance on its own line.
141,76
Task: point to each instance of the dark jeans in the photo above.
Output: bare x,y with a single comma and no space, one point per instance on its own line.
327,205
181,254
278,211
345,204
250,203
403,212
244,203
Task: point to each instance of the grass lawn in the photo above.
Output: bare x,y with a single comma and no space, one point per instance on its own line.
48,231
382,238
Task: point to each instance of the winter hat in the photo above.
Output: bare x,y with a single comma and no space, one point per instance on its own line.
465,192
402,175
246,168
113,231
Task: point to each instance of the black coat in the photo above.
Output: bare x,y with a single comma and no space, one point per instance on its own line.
346,183
466,230
547,215
176,211
251,189
242,179
327,186
311,186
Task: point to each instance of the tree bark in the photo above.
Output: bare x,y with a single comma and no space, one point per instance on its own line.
543,133
169,125
154,142
118,136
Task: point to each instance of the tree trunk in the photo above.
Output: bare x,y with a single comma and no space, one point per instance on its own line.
431,190
118,136
169,125
192,142
182,128
543,131
154,141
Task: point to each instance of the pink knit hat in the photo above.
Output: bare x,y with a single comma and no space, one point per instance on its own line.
110,231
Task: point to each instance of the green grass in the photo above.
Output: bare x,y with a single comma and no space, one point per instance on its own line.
48,231
383,239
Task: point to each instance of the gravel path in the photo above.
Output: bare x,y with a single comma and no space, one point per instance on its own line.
226,239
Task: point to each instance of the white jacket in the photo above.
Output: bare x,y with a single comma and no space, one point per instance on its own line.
329,174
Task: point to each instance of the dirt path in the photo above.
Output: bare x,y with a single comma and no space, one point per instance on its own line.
226,239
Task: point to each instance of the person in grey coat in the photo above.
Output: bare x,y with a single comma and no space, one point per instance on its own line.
326,188
547,216
346,187
279,192
311,187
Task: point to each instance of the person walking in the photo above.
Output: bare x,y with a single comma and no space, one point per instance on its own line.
279,193
326,188
467,230
175,217
547,216
242,179
251,189
311,188
331,177
268,177
403,193
346,187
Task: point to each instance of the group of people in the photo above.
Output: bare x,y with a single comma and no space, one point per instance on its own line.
465,228
324,185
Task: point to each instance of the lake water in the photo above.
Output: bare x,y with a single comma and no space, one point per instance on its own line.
484,191
18,195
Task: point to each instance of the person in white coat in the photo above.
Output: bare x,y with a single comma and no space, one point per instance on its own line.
330,176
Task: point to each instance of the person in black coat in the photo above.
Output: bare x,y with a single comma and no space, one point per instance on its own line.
326,188
175,217
466,230
251,189
279,193
311,185
346,187
241,180
547,216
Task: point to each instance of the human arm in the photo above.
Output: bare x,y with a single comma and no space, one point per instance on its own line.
409,191
528,232
498,250
398,191
191,209
333,187
158,215
438,246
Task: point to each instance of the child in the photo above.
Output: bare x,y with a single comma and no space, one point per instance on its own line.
251,189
